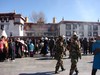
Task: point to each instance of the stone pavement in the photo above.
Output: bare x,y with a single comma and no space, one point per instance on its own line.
44,66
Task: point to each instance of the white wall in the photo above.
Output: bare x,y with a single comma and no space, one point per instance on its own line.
86,31
99,30
13,28
62,29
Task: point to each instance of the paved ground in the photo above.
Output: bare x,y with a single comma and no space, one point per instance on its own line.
43,66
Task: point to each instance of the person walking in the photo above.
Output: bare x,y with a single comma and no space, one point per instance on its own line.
96,51
59,54
51,46
74,54
85,46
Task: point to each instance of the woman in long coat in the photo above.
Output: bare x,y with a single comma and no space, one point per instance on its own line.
96,51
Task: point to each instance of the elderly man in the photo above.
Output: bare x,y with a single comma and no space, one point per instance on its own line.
96,51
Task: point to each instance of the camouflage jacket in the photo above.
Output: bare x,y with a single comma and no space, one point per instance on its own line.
75,51
59,49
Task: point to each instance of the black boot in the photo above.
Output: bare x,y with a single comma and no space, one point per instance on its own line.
62,68
56,70
76,72
71,72
94,71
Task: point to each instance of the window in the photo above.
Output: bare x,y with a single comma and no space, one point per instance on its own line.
74,26
2,20
68,26
81,27
95,27
21,27
2,27
68,33
10,34
29,34
89,33
81,33
89,27
95,33
7,20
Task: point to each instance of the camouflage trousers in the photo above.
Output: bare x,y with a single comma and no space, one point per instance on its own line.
59,64
73,66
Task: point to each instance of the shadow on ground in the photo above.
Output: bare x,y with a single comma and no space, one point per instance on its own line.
45,58
39,73
48,58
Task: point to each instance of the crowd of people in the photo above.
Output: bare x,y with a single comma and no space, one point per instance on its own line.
12,48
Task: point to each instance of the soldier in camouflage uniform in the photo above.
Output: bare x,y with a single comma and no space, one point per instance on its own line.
74,54
59,54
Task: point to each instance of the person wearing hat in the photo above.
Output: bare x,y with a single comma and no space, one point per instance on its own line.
96,51
59,49
74,54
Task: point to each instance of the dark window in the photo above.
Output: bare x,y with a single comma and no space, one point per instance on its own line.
68,33
81,34
95,27
89,27
89,33
10,34
2,20
95,33
74,26
68,26
21,27
2,27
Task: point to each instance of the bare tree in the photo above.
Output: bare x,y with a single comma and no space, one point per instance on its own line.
33,17
38,17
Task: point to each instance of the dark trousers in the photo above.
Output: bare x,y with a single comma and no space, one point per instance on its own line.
94,71
2,56
12,54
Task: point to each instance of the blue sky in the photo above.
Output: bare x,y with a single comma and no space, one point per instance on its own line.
77,10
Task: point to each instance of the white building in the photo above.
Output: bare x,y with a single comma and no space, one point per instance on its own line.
12,23
16,25
83,29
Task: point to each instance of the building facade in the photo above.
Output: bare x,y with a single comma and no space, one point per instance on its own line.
39,30
83,29
16,25
12,23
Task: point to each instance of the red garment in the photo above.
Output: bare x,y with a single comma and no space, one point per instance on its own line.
1,46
